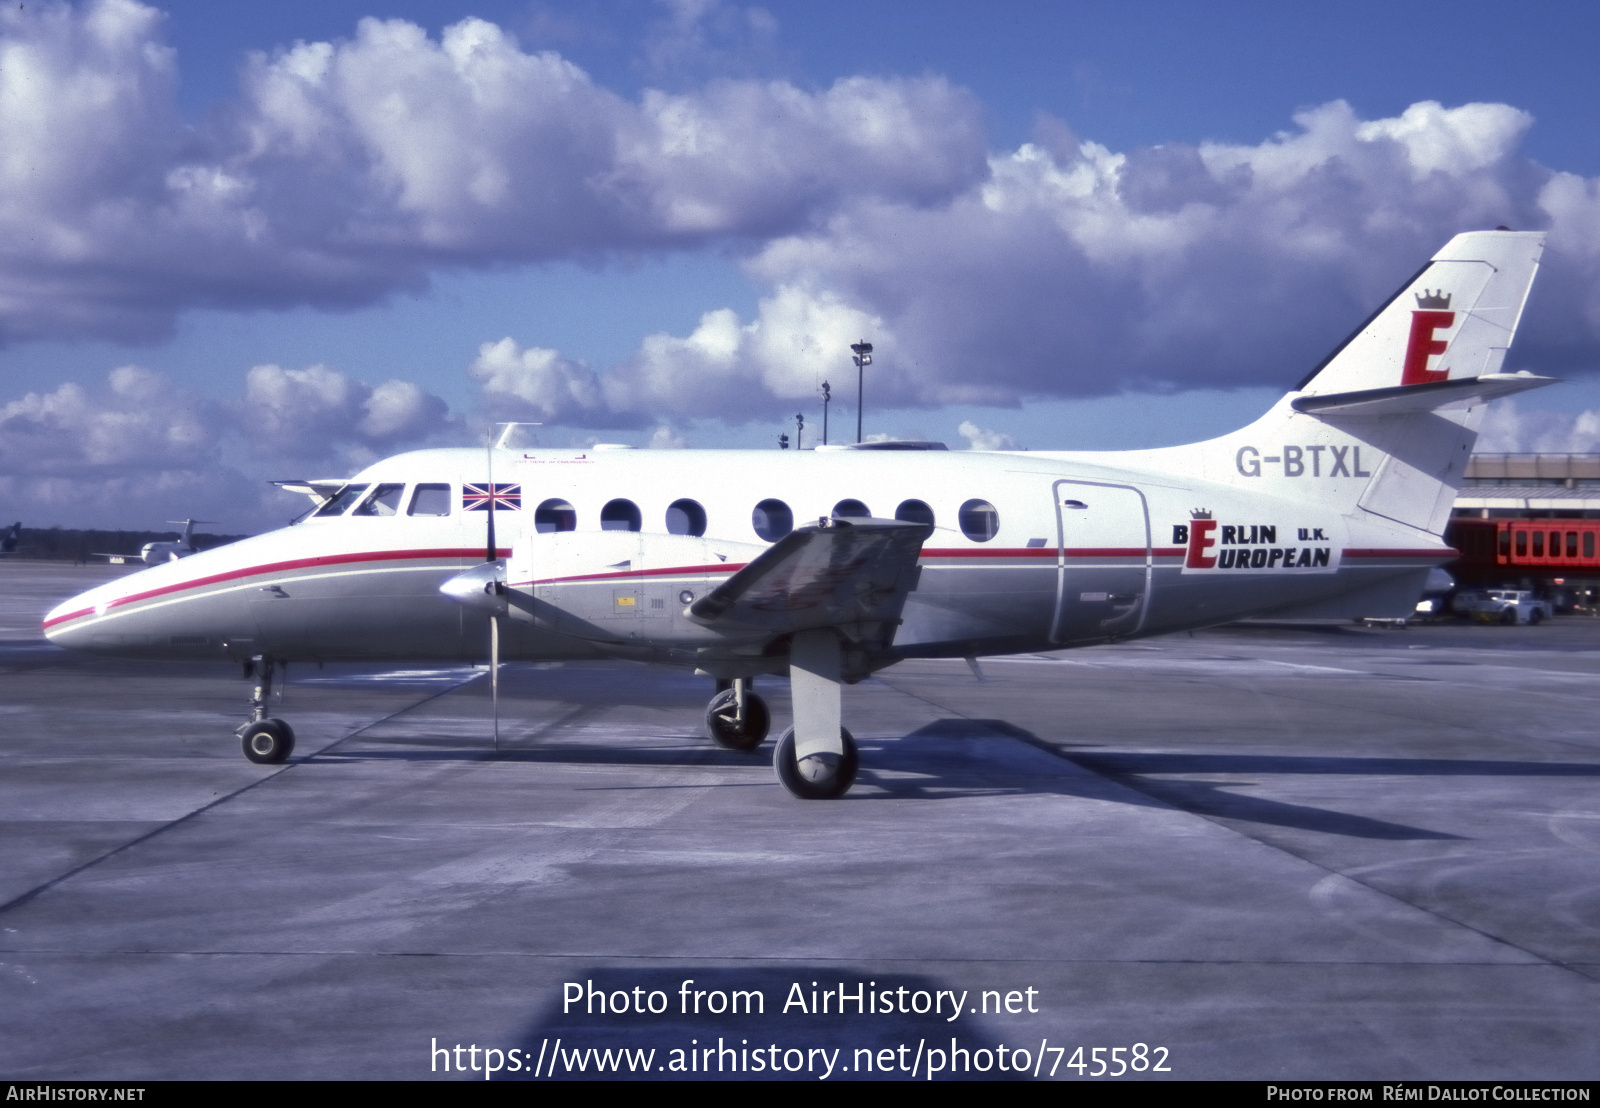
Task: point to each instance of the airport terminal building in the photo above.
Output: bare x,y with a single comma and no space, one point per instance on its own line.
1530,520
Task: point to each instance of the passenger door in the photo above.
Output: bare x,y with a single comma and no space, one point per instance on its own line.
1103,561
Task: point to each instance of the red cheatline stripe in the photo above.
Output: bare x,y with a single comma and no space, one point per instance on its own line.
671,571
452,552
280,567
69,615
1050,552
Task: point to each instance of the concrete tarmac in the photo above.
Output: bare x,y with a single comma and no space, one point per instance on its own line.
1254,852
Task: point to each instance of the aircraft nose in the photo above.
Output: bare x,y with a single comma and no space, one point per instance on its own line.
67,624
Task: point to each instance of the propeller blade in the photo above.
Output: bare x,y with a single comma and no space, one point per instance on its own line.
494,677
490,553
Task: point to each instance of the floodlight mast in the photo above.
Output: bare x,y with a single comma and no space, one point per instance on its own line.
799,430
827,398
863,358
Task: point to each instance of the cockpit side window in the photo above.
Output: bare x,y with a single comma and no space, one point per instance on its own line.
342,501
431,500
384,501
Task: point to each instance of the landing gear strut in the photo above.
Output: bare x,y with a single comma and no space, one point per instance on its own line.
817,758
737,718
265,741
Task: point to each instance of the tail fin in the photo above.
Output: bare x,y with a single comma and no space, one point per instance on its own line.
1386,423
1453,320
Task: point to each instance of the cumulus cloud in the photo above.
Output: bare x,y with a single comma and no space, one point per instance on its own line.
1071,270
1509,428
319,415
346,170
140,449
981,438
138,421
1077,271
722,368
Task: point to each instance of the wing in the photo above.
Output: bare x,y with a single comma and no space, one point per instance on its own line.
851,574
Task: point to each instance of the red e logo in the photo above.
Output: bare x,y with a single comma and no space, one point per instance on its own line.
1423,345
1200,541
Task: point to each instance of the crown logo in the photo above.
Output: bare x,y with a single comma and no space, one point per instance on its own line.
1199,513
1433,299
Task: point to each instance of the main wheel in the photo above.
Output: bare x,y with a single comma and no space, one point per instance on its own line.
723,726
268,742
821,776
1536,616
1509,616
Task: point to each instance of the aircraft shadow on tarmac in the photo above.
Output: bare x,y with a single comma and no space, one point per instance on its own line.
960,758
1148,773
897,1043
1204,798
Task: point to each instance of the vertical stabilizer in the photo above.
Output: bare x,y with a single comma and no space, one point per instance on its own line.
1455,318
1386,423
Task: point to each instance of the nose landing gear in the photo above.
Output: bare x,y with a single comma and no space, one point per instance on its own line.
265,741
737,718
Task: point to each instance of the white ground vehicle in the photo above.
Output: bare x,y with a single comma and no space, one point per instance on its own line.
1506,606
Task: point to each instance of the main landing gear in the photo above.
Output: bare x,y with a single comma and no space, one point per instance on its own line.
817,758
737,718
265,741
821,776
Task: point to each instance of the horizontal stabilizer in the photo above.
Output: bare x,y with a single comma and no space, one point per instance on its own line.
1431,396
829,574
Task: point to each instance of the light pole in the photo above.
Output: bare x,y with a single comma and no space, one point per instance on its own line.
827,398
863,359
799,430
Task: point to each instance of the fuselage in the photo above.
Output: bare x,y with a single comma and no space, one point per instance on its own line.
1028,552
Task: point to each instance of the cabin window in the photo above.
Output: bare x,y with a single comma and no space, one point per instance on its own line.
686,517
772,520
342,500
384,501
555,515
1505,544
1522,544
1572,544
979,520
620,515
851,509
1538,544
431,500
1588,544
914,511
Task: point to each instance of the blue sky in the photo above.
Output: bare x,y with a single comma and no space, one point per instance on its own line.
271,240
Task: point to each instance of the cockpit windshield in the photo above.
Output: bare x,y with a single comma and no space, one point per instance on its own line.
342,500
384,501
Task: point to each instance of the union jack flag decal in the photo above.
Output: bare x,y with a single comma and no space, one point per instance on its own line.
476,498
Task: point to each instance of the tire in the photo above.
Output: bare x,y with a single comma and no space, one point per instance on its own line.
269,742
722,729
1509,617
829,779
1536,616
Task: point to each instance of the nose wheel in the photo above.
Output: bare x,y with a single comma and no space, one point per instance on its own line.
737,719
265,741
268,741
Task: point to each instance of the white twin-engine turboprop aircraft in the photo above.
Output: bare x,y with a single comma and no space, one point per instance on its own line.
830,564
